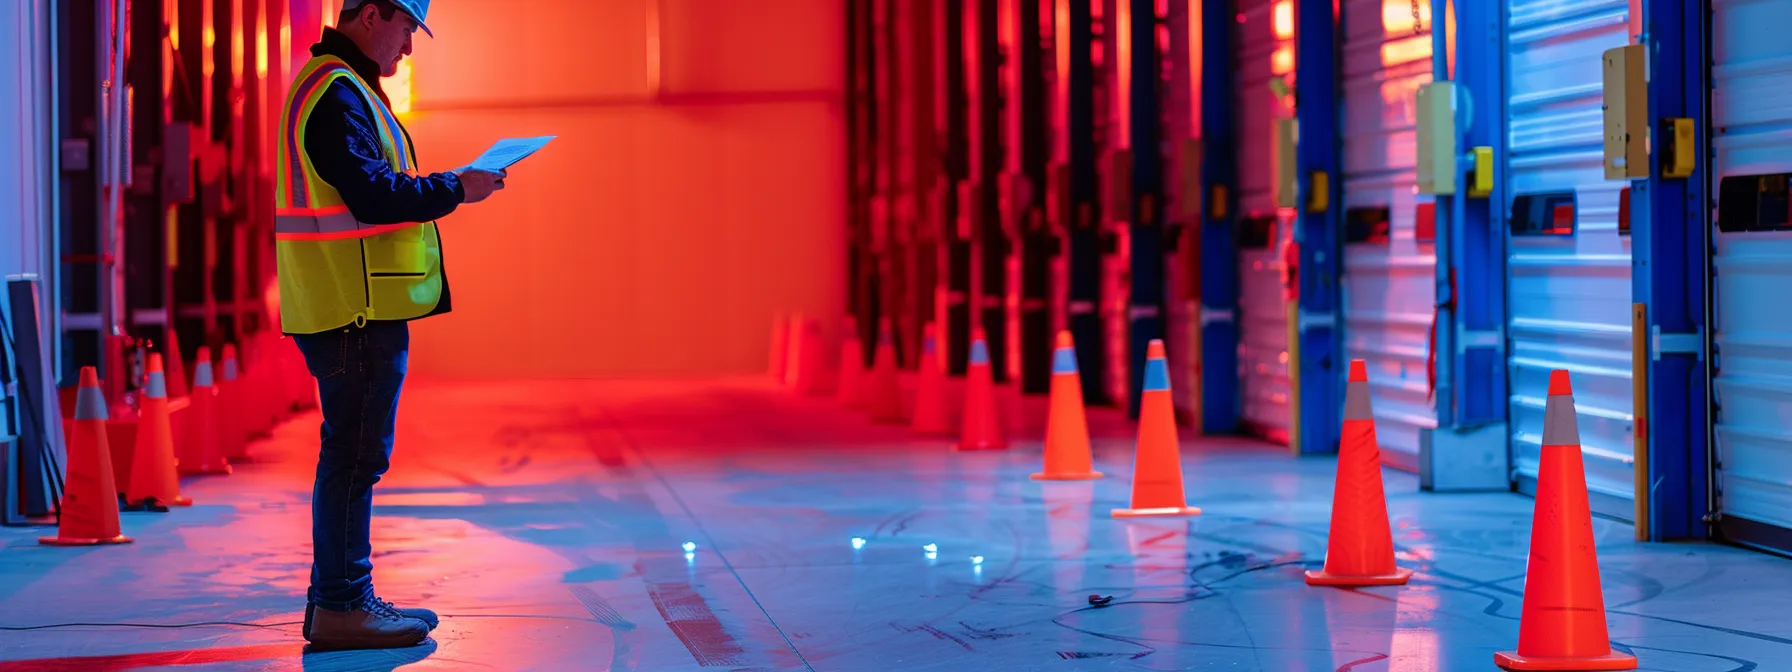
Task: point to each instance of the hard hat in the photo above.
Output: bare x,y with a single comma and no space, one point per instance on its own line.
418,9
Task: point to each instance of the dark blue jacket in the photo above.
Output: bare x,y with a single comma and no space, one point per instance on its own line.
343,142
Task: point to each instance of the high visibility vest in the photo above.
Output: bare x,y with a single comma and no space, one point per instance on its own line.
334,270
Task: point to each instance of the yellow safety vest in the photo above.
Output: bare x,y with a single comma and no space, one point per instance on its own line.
334,270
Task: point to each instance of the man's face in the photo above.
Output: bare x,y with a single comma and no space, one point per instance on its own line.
391,40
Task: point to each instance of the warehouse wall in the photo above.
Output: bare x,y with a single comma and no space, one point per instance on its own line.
694,190
26,232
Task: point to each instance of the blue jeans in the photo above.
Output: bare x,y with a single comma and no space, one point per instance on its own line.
359,372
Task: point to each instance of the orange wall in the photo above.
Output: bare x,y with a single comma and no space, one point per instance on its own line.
681,206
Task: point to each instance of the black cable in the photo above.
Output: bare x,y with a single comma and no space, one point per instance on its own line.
241,624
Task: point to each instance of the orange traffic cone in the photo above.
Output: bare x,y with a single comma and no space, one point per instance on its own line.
852,366
780,350
231,408
883,395
177,368
982,429
1157,465
1562,625
1360,549
153,482
930,394
200,452
808,358
1067,453
795,330
89,512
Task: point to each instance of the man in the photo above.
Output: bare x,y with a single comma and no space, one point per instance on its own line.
359,255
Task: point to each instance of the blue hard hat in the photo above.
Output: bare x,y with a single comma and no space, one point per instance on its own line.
418,9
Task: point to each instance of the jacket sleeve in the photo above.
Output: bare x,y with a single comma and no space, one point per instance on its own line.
344,146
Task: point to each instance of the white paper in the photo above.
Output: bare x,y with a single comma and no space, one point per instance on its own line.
505,153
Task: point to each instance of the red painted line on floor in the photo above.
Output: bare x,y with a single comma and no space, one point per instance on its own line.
1352,665
136,661
690,618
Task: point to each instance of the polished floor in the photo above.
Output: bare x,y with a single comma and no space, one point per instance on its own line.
549,523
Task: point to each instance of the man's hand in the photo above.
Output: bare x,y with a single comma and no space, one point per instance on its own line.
479,184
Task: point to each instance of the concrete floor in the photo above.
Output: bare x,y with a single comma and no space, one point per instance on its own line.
546,523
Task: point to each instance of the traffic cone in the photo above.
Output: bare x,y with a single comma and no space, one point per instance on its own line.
89,512
930,393
1157,464
795,331
1360,549
883,394
1562,625
1067,453
177,368
982,428
153,483
230,408
780,350
852,366
200,452
808,363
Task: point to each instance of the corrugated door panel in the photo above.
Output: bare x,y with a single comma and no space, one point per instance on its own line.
1390,286
1265,50
1569,296
1752,105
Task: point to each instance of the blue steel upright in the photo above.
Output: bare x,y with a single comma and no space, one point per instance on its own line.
1670,257
1221,406
1316,232
1146,303
1469,449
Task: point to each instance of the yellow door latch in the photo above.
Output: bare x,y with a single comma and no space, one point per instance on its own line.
1480,184
1678,144
1320,200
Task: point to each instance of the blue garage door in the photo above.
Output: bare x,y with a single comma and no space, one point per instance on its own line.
1390,284
1751,105
1265,51
1568,269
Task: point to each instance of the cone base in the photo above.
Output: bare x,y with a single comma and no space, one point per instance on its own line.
1510,660
1073,476
78,541
1160,511
212,470
985,445
928,428
157,501
1323,578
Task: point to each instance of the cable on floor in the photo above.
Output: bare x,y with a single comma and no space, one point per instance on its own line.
240,624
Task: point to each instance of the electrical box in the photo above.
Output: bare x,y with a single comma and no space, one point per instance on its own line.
1436,109
1286,177
1626,113
1118,175
1188,192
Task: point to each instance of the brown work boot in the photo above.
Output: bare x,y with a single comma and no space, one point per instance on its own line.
374,625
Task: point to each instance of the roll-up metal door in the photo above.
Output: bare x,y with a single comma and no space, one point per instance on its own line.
1751,108
1567,269
1390,284
1265,52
